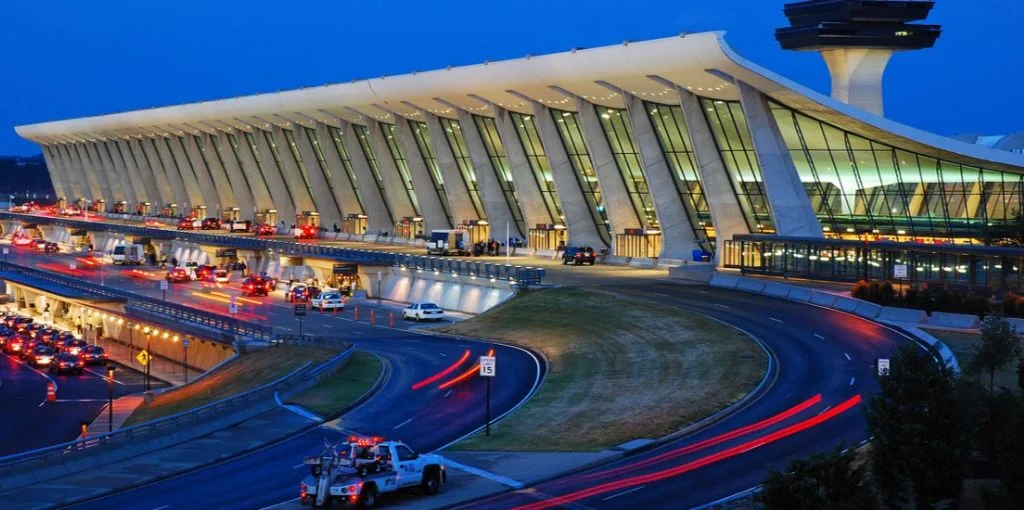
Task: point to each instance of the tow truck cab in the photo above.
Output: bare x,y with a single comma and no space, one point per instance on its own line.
370,467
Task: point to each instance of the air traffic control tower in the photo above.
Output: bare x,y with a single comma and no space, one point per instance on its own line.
857,38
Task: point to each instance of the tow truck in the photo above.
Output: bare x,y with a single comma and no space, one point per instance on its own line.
371,467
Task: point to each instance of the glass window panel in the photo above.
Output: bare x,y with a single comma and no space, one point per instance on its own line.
526,129
568,126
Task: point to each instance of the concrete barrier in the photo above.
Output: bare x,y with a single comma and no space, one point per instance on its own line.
904,315
751,285
726,281
867,309
612,260
776,289
953,320
802,294
1018,324
642,263
845,304
823,298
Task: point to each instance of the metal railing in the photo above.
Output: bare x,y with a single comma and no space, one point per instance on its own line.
460,267
312,340
173,311
175,421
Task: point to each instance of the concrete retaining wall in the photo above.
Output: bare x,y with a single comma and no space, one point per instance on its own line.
953,320
449,292
889,313
202,353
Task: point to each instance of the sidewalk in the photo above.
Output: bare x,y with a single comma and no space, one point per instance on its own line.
160,368
123,408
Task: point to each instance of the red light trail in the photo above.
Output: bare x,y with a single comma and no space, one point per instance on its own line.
465,375
442,373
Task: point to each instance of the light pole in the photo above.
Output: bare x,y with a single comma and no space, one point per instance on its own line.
184,352
131,330
110,398
147,331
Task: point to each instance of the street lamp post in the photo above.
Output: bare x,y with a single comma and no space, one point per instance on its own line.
148,363
110,398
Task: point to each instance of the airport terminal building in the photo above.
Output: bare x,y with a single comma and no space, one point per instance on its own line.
648,149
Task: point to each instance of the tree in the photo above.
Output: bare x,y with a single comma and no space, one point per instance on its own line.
921,445
1020,374
999,347
825,480
1010,233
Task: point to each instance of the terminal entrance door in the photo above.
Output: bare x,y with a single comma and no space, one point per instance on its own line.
99,206
345,278
169,211
267,217
230,214
354,224
144,208
199,212
62,203
121,207
409,227
547,237
479,230
636,242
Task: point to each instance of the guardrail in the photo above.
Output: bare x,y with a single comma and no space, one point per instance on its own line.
311,340
163,308
175,421
515,274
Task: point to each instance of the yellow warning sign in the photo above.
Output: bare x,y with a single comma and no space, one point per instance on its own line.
143,358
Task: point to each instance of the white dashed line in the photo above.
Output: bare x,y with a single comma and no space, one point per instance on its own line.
819,337
774,319
446,395
851,380
634,489
660,294
848,358
721,305
825,409
443,354
400,425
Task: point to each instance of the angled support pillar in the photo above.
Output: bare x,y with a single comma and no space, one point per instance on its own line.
243,169
395,191
323,193
579,219
57,174
155,180
345,192
459,202
499,211
162,155
121,186
301,196
677,227
238,193
200,191
433,212
130,177
105,175
279,191
535,211
375,207
726,214
78,180
352,197
210,185
790,206
78,158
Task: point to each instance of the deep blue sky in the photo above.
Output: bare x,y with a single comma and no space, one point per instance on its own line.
71,58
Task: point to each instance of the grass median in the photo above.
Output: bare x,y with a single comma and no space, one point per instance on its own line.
337,392
619,369
238,375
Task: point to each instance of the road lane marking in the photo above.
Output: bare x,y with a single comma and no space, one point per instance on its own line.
774,319
848,358
41,404
851,380
446,395
297,410
721,305
102,376
297,467
660,294
443,354
825,409
819,337
400,425
623,493
81,400
161,507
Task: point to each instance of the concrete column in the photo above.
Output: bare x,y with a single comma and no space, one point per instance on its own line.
199,187
112,191
131,180
394,185
244,172
81,164
499,211
579,219
328,207
122,186
342,187
535,210
237,194
459,202
301,196
278,191
857,75
57,174
159,154
618,205
726,214
430,203
374,207
791,208
677,228
77,181
156,181
208,181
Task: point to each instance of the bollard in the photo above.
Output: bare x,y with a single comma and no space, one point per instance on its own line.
373,316
391,319
355,314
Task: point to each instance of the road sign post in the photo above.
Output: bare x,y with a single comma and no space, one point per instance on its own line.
300,312
110,398
488,369
163,288
899,272
379,277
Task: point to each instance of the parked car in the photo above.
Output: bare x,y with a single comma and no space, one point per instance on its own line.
72,346
189,223
211,224
328,300
423,311
239,226
93,355
255,286
221,276
264,229
67,363
578,255
179,275
298,293
41,356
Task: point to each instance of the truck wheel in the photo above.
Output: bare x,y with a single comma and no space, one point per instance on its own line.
368,497
431,482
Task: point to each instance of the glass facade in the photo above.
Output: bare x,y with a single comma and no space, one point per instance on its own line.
529,138
289,136
729,127
457,144
571,132
422,137
274,153
619,133
233,143
496,153
860,186
339,145
176,164
391,137
674,138
206,162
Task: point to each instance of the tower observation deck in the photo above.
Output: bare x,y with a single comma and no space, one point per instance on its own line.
856,38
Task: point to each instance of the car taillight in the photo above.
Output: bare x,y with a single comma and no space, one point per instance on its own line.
302,490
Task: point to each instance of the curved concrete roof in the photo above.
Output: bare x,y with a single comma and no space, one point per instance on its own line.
702,63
